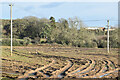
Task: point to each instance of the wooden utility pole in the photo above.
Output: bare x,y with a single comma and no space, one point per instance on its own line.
11,25
108,36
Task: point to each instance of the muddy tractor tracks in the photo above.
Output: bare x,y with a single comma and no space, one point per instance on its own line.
107,68
37,70
63,67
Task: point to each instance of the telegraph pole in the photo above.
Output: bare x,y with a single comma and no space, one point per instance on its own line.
108,36
11,25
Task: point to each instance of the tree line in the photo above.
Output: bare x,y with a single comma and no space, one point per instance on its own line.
71,32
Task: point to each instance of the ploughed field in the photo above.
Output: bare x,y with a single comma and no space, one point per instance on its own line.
59,62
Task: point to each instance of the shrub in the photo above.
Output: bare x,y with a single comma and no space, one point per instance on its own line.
114,42
16,43
102,44
43,40
36,40
7,42
27,40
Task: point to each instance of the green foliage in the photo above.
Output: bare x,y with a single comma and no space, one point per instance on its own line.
70,32
52,22
42,40
102,43
16,42
114,41
37,40
6,42
27,40
99,32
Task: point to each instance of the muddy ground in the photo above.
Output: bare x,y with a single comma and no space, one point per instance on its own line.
59,62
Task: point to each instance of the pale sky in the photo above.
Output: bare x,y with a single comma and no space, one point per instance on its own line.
91,13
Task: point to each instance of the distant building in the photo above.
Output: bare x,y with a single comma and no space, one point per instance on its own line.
100,28
92,28
110,29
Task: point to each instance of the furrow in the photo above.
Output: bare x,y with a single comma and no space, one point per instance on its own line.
100,75
61,73
79,69
92,65
110,65
34,71
104,67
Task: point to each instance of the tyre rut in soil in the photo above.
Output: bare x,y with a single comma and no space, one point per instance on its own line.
61,73
36,70
79,69
100,75
91,66
105,71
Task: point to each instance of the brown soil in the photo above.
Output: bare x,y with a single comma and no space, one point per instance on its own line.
61,62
